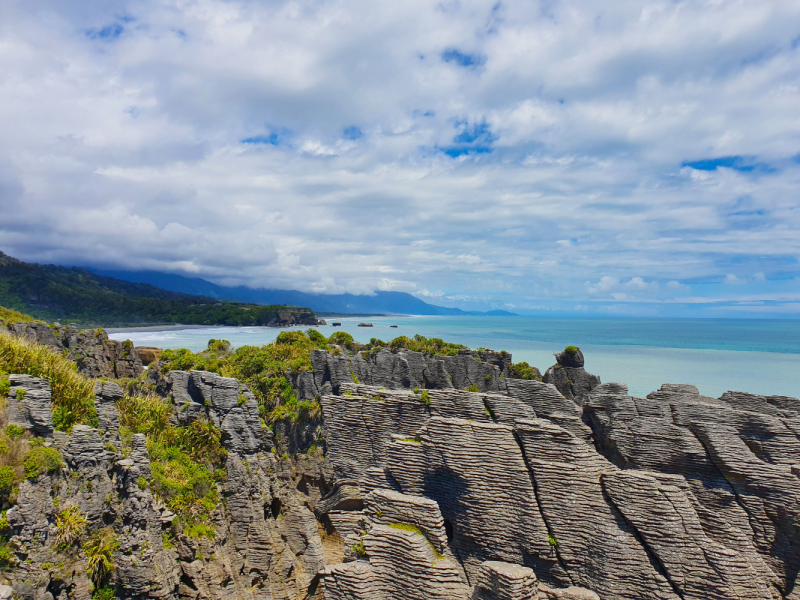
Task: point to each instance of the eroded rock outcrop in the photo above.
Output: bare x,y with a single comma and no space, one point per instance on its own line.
95,354
408,486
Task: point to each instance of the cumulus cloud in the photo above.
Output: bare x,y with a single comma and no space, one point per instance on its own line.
494,153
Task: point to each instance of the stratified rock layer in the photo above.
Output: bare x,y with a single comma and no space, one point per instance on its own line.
409,487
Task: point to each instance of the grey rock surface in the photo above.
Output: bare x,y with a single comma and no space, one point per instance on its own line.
29,404
95,354
407,486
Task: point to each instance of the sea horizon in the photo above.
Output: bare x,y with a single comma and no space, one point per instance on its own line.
760,356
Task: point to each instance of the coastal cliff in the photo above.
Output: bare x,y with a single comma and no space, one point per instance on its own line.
412,474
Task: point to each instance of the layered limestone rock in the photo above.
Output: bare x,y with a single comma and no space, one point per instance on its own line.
224,401
95,354
394,369
737,464
28,405
408,487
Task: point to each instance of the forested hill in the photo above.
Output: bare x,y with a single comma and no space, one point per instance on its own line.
53,293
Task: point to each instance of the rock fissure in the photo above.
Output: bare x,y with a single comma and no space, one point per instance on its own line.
552,539
655,561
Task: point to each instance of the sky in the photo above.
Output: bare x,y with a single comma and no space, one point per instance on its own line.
621,158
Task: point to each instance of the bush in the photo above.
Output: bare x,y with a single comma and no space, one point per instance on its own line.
523,370
8,483
5,385
100,554
103,593
431,346
7,556
184,483
571,350
73,394
14,431
41,459
70,526
220,346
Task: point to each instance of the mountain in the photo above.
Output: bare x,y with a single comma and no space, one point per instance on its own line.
398,303
52,293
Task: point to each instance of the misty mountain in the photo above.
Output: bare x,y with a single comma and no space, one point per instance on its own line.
398,303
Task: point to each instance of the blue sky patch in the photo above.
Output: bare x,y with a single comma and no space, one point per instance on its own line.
463,59
739,163
109,32
272,139
471,139
352,133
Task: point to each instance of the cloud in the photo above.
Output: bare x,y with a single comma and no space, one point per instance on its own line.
732,279
493,153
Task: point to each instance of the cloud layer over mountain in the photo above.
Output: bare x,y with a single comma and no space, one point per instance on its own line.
626,157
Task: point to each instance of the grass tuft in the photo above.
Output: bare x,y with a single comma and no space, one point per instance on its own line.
73,394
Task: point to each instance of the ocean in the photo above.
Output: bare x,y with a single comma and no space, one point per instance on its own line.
716,355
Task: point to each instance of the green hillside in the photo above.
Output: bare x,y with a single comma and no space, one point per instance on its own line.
54,293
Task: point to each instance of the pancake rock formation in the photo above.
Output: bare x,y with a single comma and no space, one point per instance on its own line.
409,487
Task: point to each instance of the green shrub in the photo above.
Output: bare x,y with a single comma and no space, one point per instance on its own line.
199,530
359,549
184,482
571,350
315,336
7,556
552,540
70,526
432,346
5,385
473,388
41,459
8,483
100,551
103,593
523,370
14,431
220,346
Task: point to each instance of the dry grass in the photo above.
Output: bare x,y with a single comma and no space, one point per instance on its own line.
10,316
73,394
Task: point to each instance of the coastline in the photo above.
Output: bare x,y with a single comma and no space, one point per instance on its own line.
160,328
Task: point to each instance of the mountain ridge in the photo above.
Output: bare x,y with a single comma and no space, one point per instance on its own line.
379,303
53,292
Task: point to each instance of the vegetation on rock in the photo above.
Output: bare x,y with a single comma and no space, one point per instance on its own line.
70,526
523,370
186,461
41,459
100,551
9,316
72,394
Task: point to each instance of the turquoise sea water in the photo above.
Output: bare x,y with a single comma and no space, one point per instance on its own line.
759,356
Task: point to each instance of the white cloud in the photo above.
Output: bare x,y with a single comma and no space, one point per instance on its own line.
129,151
